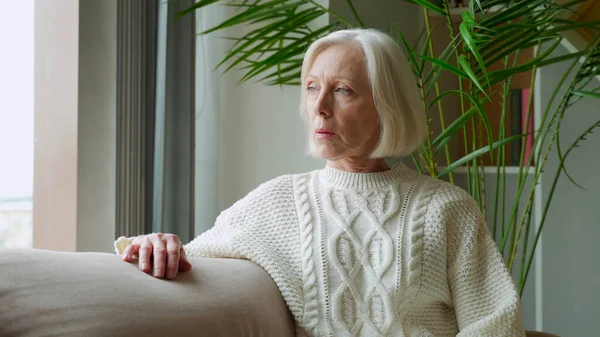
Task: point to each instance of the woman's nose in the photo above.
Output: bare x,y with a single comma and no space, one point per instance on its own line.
323,106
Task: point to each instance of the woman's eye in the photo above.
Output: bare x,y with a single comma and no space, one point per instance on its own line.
343,91
311,88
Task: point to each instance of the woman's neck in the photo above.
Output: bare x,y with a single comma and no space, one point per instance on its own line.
353,165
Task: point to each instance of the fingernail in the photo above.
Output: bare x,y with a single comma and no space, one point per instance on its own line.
156,272
144,266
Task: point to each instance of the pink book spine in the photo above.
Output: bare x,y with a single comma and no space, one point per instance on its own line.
529,138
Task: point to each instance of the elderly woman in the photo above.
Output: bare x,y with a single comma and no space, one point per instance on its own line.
360,248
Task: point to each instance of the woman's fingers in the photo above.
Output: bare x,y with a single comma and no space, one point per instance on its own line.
173,250
130,251
145,253
184,264
160,255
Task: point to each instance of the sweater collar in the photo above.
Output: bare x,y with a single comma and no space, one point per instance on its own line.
363,181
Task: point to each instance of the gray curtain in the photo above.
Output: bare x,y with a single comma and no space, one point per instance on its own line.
175,127
155,121
136,78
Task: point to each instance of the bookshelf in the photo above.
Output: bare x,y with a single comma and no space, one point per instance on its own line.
514,118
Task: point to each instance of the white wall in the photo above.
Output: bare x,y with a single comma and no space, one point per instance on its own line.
571,273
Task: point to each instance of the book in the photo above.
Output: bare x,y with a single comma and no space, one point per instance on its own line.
515,127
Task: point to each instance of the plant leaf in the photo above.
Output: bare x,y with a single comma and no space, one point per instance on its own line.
285,27
445,65
499,75
428,5
464,64
478,108
197,5
453,128
256,12
468,40
475,154
589,94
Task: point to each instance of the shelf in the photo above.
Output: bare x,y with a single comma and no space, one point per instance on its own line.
494,169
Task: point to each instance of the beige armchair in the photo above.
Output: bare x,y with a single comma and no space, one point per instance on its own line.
46,293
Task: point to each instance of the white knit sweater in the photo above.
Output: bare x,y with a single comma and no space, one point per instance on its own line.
394,253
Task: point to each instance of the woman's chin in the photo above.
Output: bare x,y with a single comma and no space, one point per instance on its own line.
325,150
327,154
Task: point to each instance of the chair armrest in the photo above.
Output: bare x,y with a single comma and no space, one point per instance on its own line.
46,293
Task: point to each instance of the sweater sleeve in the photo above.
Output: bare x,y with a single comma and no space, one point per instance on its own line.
246,229
485,297
217,242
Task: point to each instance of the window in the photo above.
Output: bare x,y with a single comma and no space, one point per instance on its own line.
16,123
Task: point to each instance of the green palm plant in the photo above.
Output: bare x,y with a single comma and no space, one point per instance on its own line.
490,32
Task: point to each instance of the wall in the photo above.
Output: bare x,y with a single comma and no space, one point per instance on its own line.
74,185
96,188
571,274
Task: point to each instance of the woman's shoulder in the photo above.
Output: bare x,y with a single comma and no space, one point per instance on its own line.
443,194
272,189
447,208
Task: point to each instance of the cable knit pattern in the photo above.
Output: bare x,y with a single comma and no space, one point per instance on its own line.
393,253
368,254
311,312
416,251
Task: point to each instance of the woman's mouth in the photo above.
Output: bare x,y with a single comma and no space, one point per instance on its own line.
324,133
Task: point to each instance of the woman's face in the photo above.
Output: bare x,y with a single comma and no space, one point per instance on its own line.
339,101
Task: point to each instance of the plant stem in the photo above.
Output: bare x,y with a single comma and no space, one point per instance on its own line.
430,161
416,162
452,35
501,162
524,249
437,91
522,179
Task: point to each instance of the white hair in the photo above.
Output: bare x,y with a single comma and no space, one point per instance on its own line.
401,113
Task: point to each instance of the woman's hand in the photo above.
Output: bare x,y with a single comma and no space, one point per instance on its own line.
163,252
